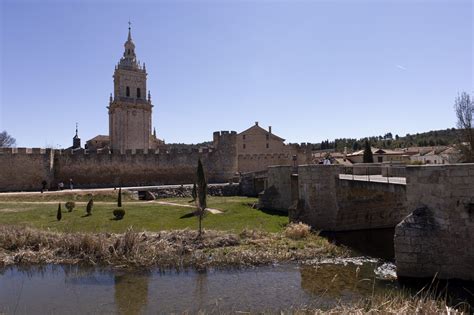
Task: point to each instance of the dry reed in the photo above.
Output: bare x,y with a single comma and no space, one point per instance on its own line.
297,231
166,249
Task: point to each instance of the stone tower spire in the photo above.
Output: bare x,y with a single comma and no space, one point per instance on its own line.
129,59
129,109
76,141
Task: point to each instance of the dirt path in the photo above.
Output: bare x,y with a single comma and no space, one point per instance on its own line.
213,211
166,203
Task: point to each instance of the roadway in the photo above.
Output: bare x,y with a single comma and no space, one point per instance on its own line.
374,178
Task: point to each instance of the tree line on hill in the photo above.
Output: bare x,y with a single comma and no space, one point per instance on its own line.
390,141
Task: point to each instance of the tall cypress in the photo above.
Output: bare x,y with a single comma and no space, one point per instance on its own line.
119,199
59,214
368,156
201,194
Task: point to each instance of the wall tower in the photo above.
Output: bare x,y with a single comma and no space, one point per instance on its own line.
129,107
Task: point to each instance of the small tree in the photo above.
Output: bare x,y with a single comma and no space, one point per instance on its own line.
464,108
6,141
119,199
368,156
201,192
59,214
89,206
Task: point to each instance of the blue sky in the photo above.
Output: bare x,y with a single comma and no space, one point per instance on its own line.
313,70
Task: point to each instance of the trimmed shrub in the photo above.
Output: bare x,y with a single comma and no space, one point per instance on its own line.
89,206
59,214
70,205
119,213
297,231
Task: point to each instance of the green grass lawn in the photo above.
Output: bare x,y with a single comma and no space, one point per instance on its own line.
142,216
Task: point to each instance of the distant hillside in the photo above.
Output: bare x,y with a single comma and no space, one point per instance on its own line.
390,141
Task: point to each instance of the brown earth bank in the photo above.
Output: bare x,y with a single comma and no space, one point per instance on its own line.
167,249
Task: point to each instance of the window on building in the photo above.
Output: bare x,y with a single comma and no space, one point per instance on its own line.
128,52
268,145
380,159
243,146
127,91
138,93
243,137
268,137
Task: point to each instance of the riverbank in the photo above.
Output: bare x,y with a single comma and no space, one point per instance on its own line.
166,249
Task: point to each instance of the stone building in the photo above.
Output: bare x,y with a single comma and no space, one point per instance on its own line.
380,156
258,148
98,142
130,107
256,140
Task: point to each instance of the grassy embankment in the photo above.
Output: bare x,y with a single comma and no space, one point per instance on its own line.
151,234
40,212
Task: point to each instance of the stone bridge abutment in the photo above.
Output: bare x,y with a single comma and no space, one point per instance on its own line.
433,213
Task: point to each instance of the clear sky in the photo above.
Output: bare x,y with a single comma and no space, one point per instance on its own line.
313,70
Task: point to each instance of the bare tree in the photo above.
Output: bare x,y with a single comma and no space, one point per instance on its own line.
6,141
464,108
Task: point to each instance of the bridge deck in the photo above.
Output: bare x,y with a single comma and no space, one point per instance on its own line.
374,178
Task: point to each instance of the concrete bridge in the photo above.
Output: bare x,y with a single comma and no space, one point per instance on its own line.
431,208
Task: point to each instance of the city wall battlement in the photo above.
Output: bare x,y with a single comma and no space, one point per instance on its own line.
26,168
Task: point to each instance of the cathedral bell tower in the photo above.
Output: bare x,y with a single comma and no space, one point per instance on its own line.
129,108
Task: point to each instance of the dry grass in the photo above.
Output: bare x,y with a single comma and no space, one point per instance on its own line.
297,231
167,249
395,302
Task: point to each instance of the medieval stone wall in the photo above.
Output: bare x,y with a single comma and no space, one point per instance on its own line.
437,238
277,194
260,162
25,169
317,202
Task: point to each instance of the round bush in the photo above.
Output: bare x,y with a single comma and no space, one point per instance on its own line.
119,213
70,205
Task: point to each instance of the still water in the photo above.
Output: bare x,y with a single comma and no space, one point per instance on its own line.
54,289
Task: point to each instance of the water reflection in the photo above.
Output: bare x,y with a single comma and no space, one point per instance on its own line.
80,290
200,290
131,292
374,243
343,281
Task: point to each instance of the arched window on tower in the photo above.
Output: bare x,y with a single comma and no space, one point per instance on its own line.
127,92
138,93
128,53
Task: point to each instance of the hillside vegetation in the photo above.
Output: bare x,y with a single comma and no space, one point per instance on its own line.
390,141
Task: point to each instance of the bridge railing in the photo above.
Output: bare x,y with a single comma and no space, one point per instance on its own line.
372,173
